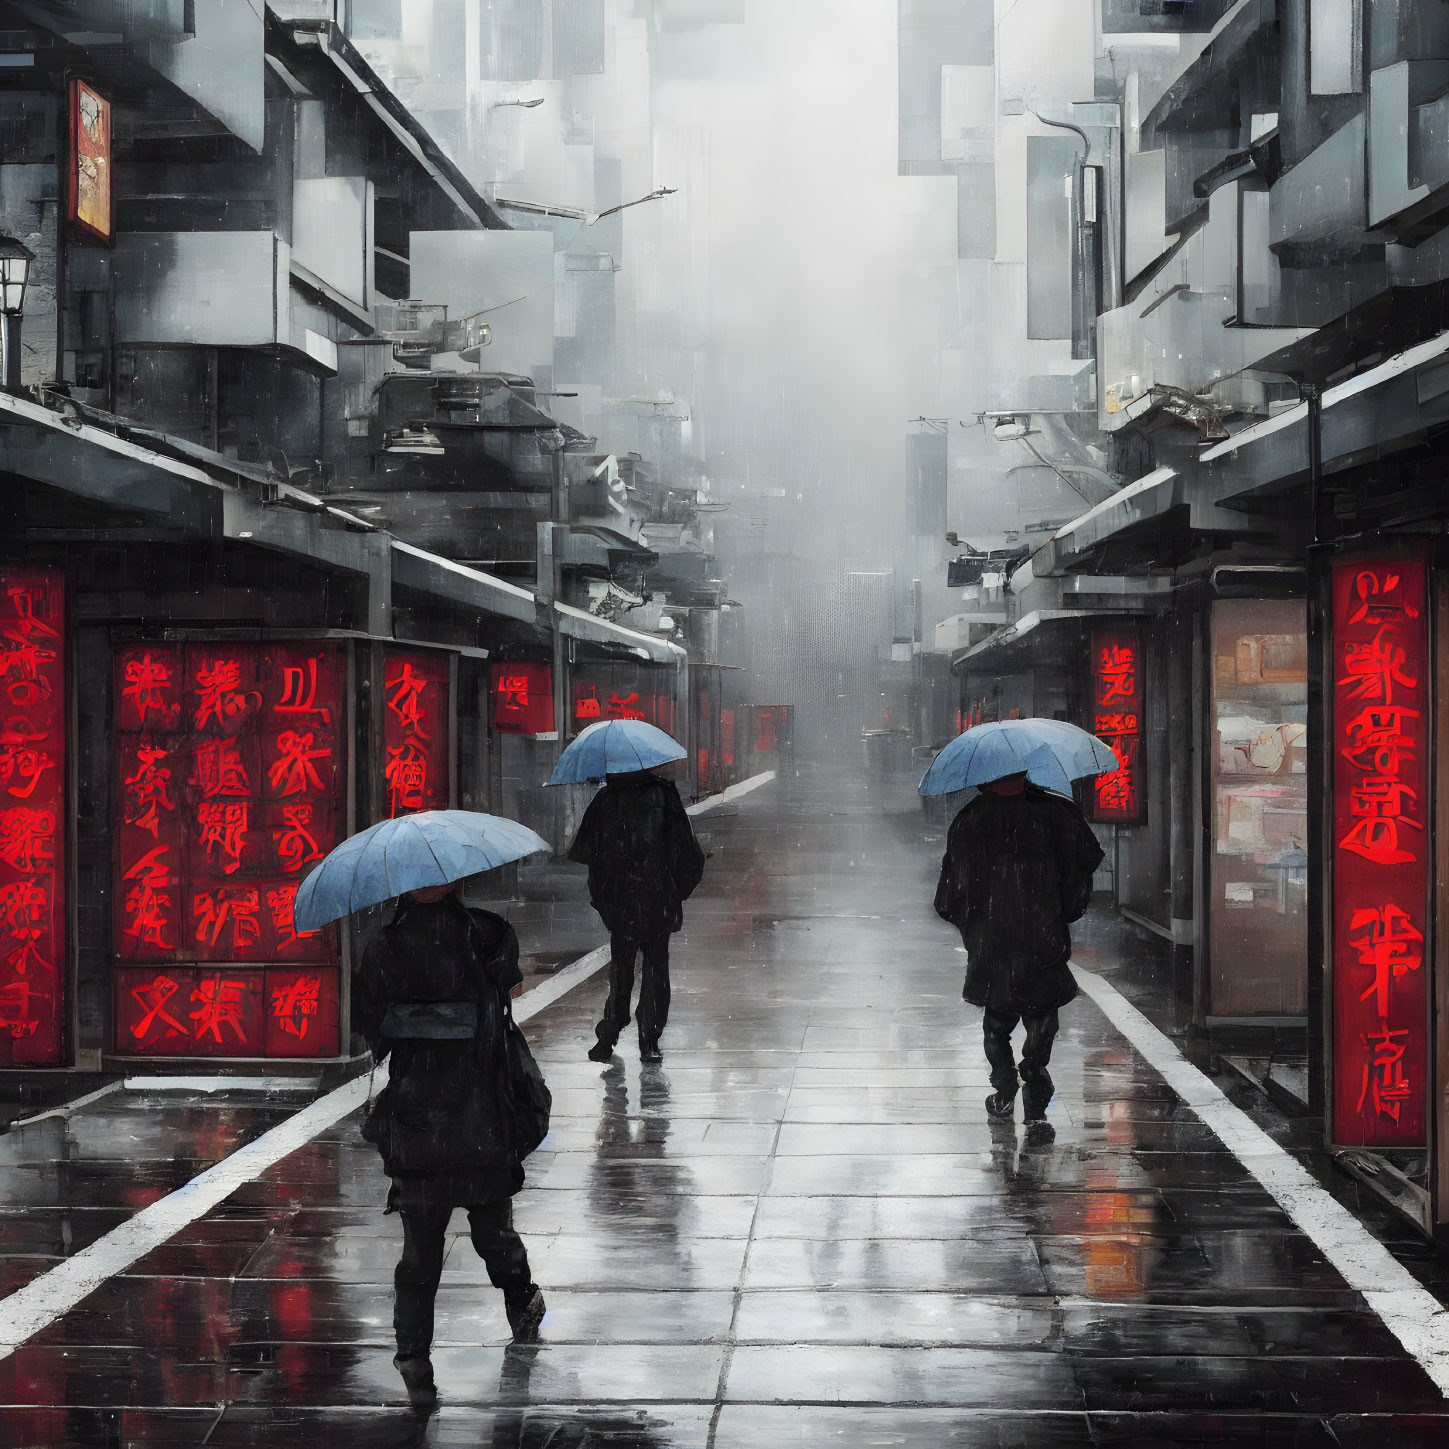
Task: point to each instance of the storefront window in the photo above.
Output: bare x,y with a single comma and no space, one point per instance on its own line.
1258,761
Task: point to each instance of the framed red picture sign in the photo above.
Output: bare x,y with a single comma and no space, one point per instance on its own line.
416,732
523,697
33,958
231,771
1380,851
89,199
1118,696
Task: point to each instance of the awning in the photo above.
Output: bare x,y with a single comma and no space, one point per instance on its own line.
1378,411
1149,497
428,573
576,624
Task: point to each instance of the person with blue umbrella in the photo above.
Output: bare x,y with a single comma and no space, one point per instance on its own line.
1016,873
464,1103
644,863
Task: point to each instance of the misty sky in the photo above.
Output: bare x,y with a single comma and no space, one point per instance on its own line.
818,276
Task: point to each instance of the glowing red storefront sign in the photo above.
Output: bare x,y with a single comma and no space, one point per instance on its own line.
33,959
523,697
593,702
415,764
1380,852
231,774
1117,707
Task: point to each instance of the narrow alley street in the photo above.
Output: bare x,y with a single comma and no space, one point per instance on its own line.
801,1229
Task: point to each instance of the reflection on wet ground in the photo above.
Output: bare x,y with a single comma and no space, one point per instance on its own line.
799,1230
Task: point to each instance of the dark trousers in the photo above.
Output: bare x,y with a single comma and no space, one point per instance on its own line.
421,1265
1036,1052
653,989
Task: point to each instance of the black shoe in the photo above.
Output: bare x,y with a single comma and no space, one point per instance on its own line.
417,1377
525,1315
1000,1106
649,1052
1040,1132
601,1051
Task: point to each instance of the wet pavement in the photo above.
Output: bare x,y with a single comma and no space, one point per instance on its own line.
799,1230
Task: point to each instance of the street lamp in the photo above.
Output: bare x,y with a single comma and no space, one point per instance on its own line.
15,260
575,213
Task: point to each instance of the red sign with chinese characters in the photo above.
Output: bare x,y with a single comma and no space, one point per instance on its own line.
1117,706
1379,753
594,702
415,719
231,773
523,698
33,960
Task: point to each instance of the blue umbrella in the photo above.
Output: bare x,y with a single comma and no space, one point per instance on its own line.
411,853
615,747
1052,752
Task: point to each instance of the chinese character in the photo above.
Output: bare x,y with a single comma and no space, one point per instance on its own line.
213,910
220,769
294,840
1114,724
145,678
1374,667
588,707
1376,838
1375,608
280,903
403,700
27,839
20,760
294,771
24,657
24,916
221,696
1384,1076
223,824
293,1003
146,790
1116,673
406,774
1380,732
15,1008
625,708
513,691
1117,791
1389,944
148,902
152,1000
221,1005
299,691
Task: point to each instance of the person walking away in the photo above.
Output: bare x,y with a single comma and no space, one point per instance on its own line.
644,863
1017,871
432,993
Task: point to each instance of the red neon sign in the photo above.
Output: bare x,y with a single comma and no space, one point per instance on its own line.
1118,697
415,764
523,697
231,775
33,957
1380,852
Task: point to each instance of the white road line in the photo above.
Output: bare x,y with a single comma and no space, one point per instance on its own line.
66,1108
733,793
1410,1312
52,1295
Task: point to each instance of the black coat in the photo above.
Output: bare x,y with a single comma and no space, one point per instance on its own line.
1017,870
438,1122
643,859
